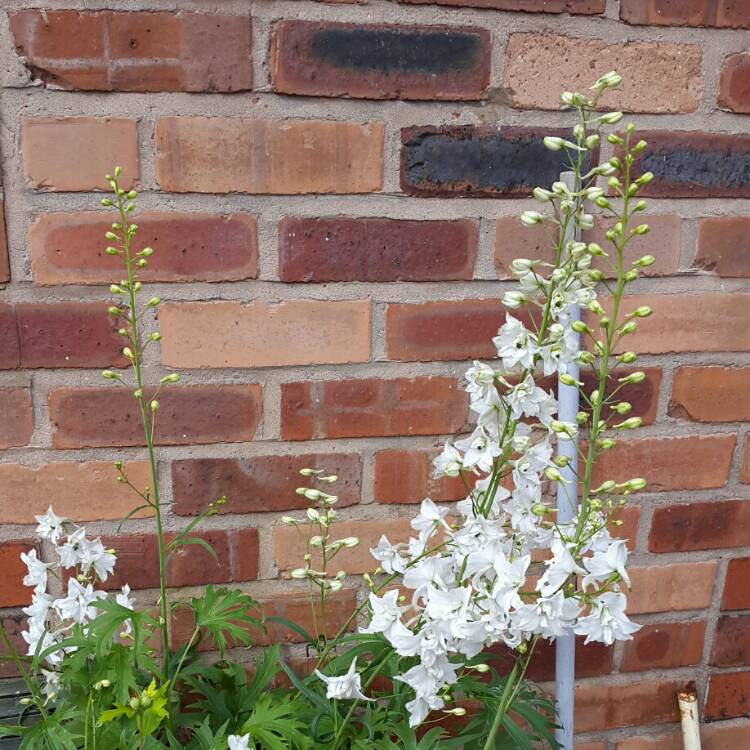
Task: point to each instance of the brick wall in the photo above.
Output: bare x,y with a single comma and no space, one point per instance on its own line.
332,205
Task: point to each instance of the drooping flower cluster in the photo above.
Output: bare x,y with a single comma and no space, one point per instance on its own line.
81,563
503,568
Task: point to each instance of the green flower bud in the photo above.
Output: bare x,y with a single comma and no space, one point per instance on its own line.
645,261
629,424
112,251
173,377
109,375
153,302
636,484
630,275
635,377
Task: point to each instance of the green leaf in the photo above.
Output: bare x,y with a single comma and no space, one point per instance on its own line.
224,616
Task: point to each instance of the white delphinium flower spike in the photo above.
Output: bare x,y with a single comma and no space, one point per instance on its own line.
50,526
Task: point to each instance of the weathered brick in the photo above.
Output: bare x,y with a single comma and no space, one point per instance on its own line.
343,249
262,334
583,7
16,416
191,565
671,588
280,157
259,483
684,462
74,153
68,334
539,66
599,707
478,161
724,246
461,329
695,164
294,607
4,260
713,737
69,248
14,625
405,476
728,696
379,61
745,462
12,570
187,415
664,645
79,490
736,590
717,322
734,88
729,14
134,51
706,525
513,240
711,394
731,647
289,545
370,407
10,346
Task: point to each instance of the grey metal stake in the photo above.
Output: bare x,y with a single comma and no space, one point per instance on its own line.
565,647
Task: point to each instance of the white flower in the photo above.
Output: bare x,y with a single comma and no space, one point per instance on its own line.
78,604
515,345
559,569
37,571
388,556
526,399
345,687
50,526
94,555
429,517
448,463
480,379
51,683
602,564
385,613
39,607
122,597
70,552
607,622
480,450
239,743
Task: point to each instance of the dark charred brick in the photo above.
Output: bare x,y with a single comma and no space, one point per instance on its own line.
728,696
477,161
696,165
261,483
731,646
341,249
583,7
379,61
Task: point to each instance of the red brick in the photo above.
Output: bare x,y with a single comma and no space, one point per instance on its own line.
69,248
513,240
592,660
583,7
259,483
14,625
539,66
745,464
12,591
711,394
371,407
74,153
686,462
289,546
109,416
731,647
4,260
599,707
736,590
695,164
405,476
265,334
734,88
724,246
79,490
294,607
134,51
278,157
446,330
713,737
667,588
694,526
10,347
343,249
191,565
664,645
68,334
690,323
728,696
379,61
731,14
16,417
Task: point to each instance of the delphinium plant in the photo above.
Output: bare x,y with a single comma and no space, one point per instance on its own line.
418,655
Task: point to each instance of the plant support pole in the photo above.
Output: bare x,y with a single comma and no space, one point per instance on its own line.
567,497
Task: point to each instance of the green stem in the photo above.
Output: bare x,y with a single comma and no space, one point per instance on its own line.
31,684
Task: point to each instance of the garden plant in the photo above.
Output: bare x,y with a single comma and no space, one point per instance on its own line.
418,663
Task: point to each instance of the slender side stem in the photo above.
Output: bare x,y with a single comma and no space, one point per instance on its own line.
28,680
137,349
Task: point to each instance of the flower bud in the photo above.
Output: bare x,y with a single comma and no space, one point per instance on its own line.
514,299
582,417
645,261
608,81
154,405
349,542
604,487
585,358
629,424
642,312
634,377
585,221
135,703
529,218
603,202
114,289
542,195
459,711
316,541
111,236
615,140
153,302
313,515
628,327
580,327
553,143
638,483
595,250
173,377
592,141
607,443
642,229
155,336
552,473
481,668
126,352
289,521
645,178
561,461
630,275
107,202
567,379
310,472
299,573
